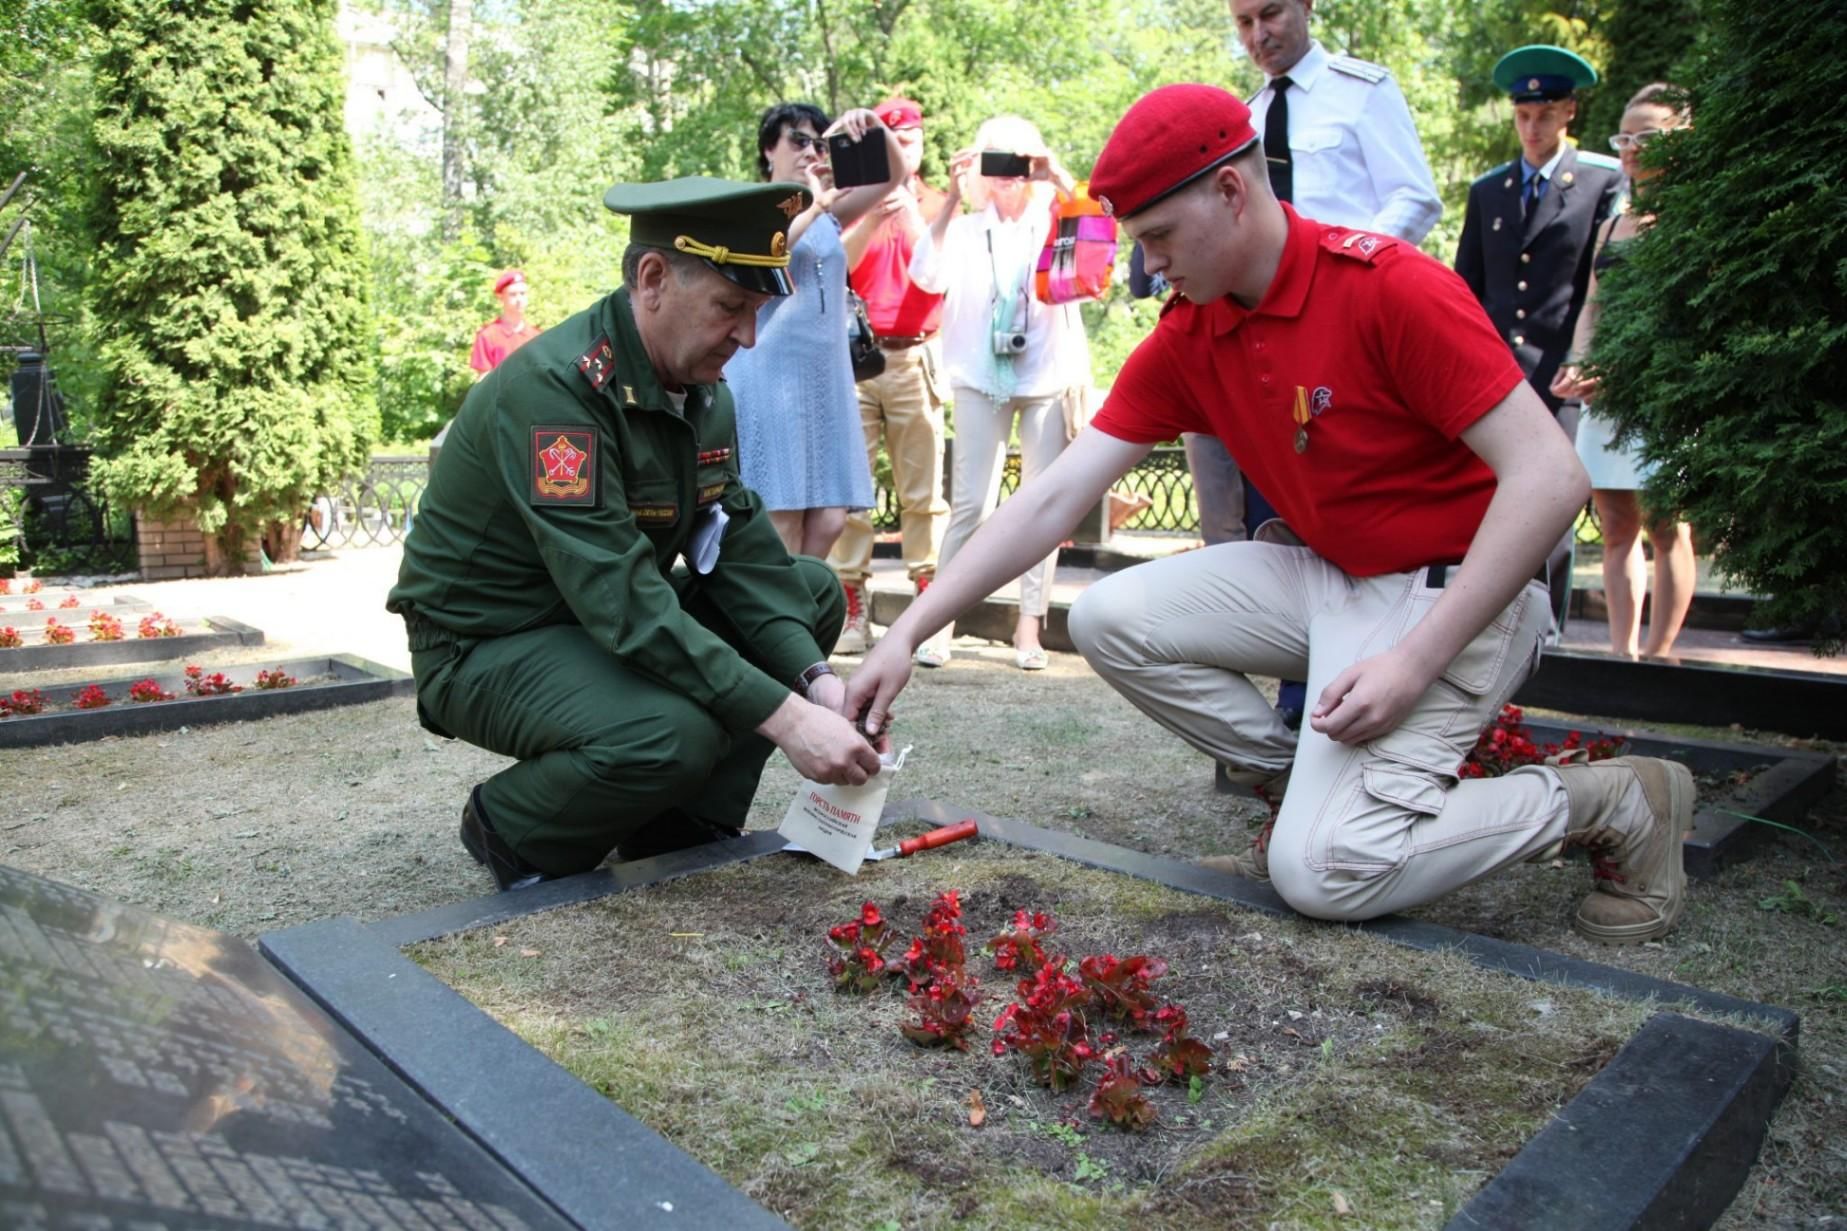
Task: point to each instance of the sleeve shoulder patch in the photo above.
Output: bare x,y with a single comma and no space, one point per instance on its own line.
598,364
564,465
1363,246
1370,73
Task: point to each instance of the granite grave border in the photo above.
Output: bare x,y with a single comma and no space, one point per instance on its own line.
1804,704
357,680
225,633
1608,1160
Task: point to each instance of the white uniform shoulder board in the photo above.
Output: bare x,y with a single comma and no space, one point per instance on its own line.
1366,71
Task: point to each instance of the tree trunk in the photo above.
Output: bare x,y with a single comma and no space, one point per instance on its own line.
455,108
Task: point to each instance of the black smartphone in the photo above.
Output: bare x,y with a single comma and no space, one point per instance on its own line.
857,163
997,164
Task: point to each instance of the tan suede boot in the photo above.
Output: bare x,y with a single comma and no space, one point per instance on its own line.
855,637
1252,863
1631,814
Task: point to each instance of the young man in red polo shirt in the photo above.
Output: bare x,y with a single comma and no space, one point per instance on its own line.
1422,483
507,332
904,404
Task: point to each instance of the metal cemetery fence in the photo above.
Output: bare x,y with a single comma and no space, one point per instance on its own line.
379,507
52,522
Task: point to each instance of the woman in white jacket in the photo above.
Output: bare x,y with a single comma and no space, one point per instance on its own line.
1007,355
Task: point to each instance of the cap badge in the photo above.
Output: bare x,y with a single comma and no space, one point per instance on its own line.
1532,83
779,244
792,205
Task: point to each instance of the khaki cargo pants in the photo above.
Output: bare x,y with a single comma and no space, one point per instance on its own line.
1364,830
904,406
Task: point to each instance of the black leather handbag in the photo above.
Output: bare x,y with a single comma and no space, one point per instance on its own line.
862,343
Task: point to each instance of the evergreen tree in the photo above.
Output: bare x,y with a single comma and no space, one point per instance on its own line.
1648,40
1722,342
230,282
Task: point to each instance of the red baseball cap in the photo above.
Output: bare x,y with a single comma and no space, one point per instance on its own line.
1168,139
899,113
507,279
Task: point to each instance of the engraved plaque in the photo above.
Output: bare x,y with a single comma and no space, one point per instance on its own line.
156,1076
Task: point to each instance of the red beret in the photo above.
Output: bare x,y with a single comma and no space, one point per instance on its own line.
507,279
899,113
1167,140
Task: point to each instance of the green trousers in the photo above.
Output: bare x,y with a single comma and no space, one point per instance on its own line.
602,751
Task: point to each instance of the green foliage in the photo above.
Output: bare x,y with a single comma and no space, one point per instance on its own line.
1649,40
229,283
1721,339
1792,901
538,150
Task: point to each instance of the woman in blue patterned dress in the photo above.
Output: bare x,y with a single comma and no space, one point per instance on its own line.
800,444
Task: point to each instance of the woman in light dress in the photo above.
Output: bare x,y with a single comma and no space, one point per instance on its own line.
1617,475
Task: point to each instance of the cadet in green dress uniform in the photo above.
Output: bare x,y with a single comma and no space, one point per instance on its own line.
1530,226
589,587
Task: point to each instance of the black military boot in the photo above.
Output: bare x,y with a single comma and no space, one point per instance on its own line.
672,830
480,841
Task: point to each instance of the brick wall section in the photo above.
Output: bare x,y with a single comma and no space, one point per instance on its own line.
170,549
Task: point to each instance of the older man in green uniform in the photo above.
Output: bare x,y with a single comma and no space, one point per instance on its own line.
590,588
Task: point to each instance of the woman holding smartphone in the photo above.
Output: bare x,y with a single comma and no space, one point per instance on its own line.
1010,359
799,442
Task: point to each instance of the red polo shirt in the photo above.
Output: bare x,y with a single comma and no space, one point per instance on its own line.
1388,357
496,340
894,306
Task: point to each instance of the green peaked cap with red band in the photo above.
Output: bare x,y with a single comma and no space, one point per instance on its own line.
740,230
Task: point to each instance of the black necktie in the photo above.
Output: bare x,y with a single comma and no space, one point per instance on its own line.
1276,141
1530,198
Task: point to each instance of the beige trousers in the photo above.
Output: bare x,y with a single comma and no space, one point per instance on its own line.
983,428
904,406
1364,830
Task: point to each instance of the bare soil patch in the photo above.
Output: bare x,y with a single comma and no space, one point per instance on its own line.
1399,1081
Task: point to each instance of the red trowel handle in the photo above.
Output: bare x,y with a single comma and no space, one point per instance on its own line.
938,837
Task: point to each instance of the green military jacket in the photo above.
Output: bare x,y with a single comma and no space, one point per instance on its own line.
566,489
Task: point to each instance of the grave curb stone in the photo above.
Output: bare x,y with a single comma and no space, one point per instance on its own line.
361,680
542,1123
1803,704
1662,1138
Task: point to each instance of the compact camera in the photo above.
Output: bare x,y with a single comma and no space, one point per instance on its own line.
1009,342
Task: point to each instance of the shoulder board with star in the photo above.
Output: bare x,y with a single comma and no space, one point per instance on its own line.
1363,246
598,364
1365,70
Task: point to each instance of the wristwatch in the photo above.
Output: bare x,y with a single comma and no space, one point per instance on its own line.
808,677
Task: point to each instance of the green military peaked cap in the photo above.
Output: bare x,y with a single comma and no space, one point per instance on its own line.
741,230
1541,73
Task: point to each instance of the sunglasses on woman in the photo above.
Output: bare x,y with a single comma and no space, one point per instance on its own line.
802,141
1624,141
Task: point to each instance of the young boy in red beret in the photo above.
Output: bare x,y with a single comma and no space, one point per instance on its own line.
1419,482
507,332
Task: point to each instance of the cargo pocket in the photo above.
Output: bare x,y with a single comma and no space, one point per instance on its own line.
1375,832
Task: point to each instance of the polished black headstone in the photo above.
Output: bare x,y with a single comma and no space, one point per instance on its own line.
155,1075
